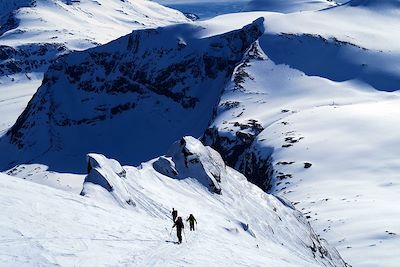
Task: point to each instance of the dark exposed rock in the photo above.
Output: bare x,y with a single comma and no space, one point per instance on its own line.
237,146
191,16
28,58
285,163
307,165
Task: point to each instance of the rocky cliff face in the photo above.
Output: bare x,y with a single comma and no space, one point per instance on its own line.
156,84
29,58
235,139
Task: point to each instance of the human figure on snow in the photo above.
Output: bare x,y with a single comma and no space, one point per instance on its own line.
179,227
174,214
191,221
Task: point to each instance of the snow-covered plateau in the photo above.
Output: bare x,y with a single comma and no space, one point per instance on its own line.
294,109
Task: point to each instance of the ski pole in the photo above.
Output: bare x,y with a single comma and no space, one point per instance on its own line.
184,234
168,232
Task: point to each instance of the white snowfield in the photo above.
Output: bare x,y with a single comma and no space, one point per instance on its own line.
242,226
325,90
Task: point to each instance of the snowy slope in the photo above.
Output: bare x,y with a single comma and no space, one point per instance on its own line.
311,115
243,226
80,24
34,33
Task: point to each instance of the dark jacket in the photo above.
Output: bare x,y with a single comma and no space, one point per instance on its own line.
179,224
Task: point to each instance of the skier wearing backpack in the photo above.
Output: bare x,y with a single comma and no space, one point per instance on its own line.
179,227
174,214
191,221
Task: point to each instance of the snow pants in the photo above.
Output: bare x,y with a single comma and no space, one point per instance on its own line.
179,234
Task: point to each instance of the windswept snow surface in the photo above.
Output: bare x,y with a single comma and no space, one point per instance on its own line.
243,226
316,102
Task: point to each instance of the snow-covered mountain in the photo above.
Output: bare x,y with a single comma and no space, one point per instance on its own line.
78,24
310,114
288,6
130,90
304,104
34,33
124,218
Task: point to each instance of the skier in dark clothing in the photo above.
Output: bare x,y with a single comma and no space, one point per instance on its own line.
179,227
191,221
174,214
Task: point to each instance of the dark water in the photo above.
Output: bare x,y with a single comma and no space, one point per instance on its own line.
207,10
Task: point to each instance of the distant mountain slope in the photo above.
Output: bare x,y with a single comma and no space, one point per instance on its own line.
375,3
242,226
79,24
287,6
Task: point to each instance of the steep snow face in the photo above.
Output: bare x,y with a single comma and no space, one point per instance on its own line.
14,95
288,6
307,116
240,216
152,86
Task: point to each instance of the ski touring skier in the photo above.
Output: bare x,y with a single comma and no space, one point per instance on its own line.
174,214
179,227
191,221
